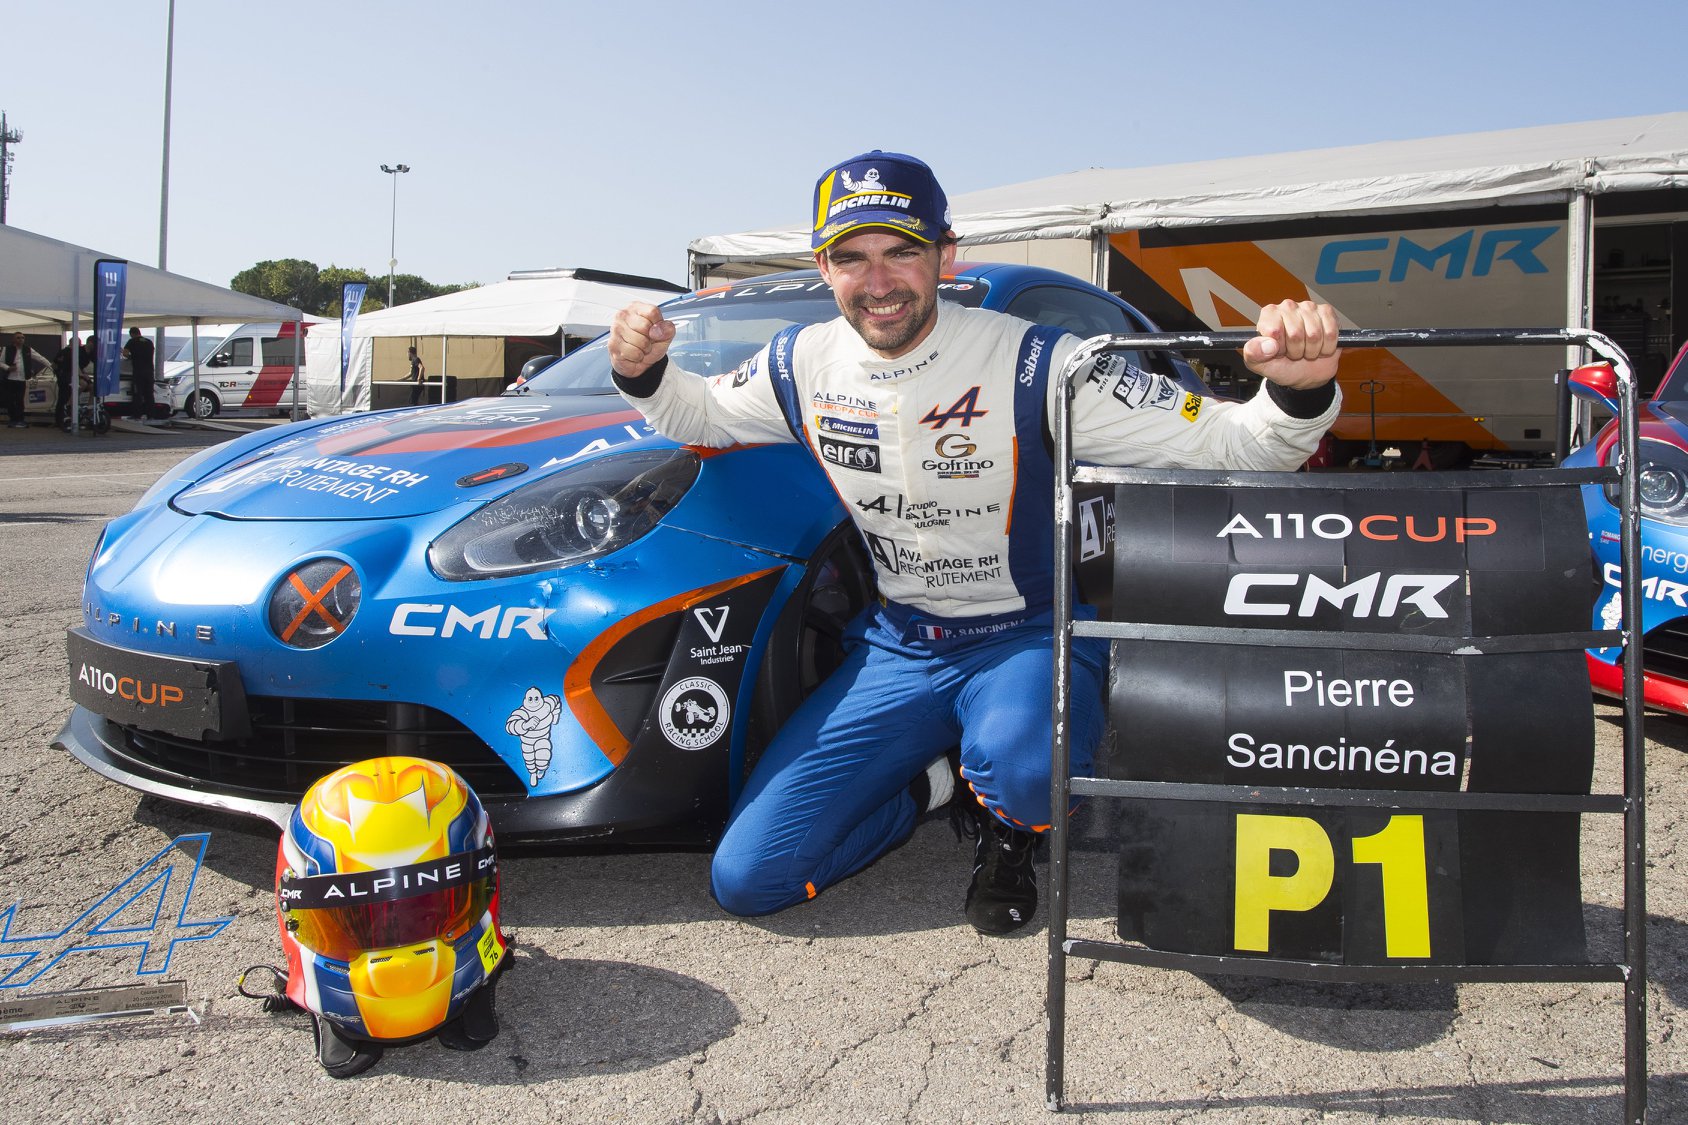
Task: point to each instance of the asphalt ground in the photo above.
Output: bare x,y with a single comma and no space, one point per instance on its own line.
635,998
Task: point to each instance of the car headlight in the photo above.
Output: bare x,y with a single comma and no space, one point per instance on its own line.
1663,481
572,516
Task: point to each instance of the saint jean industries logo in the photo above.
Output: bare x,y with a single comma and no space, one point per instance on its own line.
147,911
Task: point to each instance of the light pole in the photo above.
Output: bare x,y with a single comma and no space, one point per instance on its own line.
393,170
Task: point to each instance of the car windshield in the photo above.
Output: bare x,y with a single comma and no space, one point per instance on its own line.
718,329
1674,388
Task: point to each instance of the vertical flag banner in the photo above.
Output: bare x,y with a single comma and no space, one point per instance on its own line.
110,279
351,297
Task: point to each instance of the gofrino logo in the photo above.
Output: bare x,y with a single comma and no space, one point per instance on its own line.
694,713
147,910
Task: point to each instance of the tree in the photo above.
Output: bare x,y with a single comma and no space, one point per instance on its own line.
331,282
295,282
290,281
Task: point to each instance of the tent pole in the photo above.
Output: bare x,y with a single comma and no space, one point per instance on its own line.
76,362
1579,282
298,340
445,342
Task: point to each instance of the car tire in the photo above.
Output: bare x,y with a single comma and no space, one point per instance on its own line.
202,405
807,641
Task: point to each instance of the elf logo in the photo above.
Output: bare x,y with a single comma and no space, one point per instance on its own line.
849,455
1374,595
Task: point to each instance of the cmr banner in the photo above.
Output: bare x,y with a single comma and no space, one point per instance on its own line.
110,280
1351,885
351,299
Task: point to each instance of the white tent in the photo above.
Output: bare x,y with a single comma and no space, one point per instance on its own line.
47,285
573,302
1555,163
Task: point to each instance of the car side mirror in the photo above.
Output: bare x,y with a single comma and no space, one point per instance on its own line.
1596,382
218,360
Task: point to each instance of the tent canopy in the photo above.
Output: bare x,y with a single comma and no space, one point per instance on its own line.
44,281
575,302
1518,166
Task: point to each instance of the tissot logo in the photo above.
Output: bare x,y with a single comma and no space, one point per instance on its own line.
849,455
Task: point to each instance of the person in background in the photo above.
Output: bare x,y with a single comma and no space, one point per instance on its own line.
139,349
417,374
14,376
61,376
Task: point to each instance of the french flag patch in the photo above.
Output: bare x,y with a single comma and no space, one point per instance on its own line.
932,632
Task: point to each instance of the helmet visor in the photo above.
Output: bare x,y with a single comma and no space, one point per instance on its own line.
343,916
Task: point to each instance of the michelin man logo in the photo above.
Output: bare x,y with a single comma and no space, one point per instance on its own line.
694,713
868,182
532,723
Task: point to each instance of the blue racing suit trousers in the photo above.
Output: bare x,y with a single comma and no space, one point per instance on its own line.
830,794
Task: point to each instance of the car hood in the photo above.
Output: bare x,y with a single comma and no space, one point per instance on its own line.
406,463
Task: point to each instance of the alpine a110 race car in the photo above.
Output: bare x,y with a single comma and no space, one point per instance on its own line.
596,627
1663,468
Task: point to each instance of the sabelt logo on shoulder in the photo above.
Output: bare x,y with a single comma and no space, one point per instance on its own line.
1028,366
955,459
849,455
1372,595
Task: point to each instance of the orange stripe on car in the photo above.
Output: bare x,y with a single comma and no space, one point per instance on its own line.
577,681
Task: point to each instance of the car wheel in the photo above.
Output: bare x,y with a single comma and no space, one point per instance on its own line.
807,642
203,405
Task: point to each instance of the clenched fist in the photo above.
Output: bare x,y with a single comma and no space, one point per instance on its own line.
1296,345
639,338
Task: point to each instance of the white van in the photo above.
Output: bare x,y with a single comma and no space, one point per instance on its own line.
252,369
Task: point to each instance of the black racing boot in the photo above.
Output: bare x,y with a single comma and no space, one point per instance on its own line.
1003,896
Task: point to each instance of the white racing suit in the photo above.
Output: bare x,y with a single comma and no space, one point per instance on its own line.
943,458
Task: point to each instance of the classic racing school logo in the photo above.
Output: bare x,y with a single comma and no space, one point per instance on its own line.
694,713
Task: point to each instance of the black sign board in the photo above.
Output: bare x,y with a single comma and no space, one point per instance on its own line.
1352,885
196,699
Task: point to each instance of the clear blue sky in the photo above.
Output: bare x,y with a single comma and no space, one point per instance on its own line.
611,134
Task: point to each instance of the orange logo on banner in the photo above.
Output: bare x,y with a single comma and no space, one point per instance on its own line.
1408,407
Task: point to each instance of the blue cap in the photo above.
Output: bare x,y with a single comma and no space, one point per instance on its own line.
879,189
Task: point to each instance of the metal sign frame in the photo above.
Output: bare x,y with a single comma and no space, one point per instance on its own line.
1631,971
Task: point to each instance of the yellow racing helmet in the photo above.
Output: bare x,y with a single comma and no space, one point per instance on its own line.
387,900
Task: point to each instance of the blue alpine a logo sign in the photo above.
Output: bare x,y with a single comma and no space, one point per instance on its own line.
147,911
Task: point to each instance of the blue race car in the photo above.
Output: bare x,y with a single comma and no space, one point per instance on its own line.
598,628
1664,536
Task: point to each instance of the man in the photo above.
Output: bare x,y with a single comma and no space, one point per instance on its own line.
139,349
15,369
417,373
957,404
